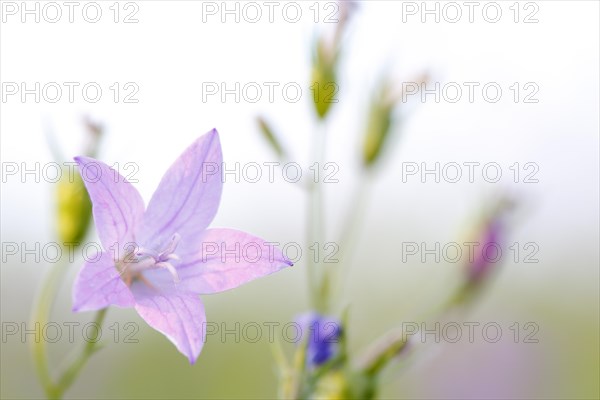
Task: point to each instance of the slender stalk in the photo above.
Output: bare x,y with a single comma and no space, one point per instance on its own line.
316,228
39,318
392,343
323,288
310,267
70,374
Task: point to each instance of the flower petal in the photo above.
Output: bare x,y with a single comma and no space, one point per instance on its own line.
99,285
188,195
117,206
180,317
228,258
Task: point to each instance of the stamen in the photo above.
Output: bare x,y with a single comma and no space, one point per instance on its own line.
172,257
169,268
132,268
173,245
141,252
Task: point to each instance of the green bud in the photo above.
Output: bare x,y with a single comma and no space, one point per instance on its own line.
74,208
380,118
324,88
323,80
267,132
378,127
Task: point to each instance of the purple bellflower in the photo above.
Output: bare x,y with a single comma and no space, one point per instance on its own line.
324,334
159,258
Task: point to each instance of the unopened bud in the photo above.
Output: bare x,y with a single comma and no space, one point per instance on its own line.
491,235
323,339
323,80
74,208
269,134
378,126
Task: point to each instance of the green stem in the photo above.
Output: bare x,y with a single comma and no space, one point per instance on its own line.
310,267
71,373
315,229
388,346
385,350
39,318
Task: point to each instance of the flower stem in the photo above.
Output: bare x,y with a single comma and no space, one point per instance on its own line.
391,344
39,318
315,228
68,377
310,267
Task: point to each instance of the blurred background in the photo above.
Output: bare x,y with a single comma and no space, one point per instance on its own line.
176,47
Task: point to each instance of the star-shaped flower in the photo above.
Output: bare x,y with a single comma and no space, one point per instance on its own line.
160,258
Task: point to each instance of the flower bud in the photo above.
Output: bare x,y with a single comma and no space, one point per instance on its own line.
490,237
324,337
74,209
268,133
378,126
381,119
323,80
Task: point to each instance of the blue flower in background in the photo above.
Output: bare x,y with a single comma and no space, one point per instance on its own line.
324,336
